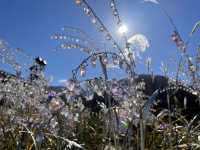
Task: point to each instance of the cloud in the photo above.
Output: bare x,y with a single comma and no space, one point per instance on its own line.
62,81
152,1
139,42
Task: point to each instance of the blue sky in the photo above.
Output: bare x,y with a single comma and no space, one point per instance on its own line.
28,24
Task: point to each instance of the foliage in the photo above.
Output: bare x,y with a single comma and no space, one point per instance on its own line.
97,113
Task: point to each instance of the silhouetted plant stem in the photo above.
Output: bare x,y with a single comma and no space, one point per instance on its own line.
141,131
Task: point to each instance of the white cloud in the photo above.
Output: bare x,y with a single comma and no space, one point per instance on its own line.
139,42
62,81
152,1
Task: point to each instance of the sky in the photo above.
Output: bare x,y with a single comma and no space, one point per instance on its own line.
28,24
